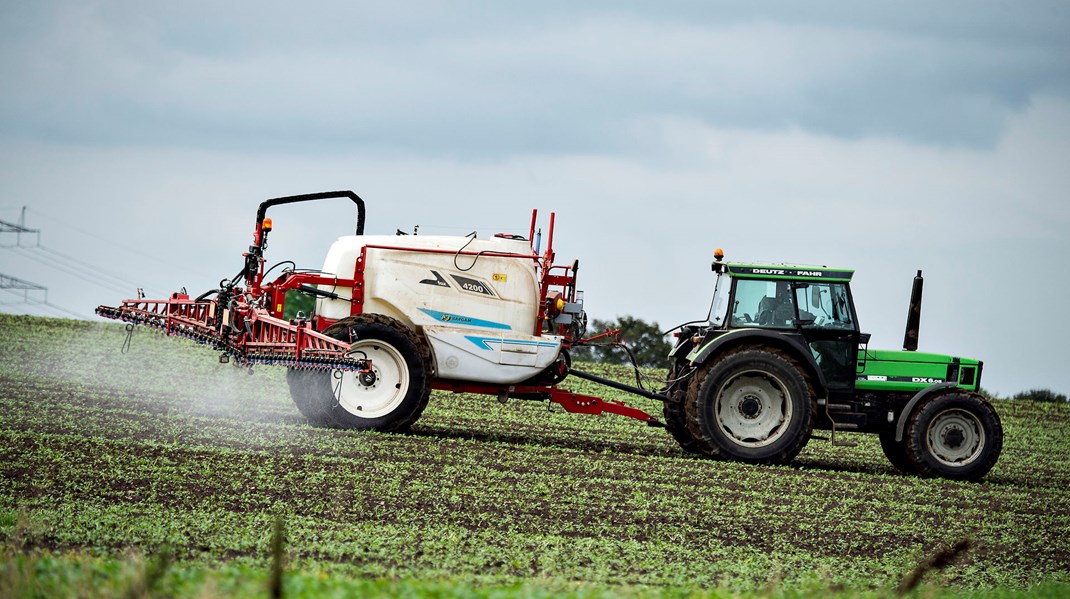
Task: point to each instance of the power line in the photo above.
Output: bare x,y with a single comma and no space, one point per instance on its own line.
10,282
53,263
93,267
19,229
11,285
137,251
56,309
60,261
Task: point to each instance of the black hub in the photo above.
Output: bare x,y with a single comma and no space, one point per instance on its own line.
750,407
367,378
954,438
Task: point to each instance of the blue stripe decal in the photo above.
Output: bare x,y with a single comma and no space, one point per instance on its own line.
481,342
458,319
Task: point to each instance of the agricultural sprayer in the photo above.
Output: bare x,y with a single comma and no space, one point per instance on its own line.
396,316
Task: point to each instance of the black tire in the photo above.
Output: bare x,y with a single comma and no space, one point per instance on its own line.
896,452
675,413
753,405
301,383
954,435
390,398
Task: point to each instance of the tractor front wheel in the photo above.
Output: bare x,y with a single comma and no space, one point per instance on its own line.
389,396
752,405
675,414
955,435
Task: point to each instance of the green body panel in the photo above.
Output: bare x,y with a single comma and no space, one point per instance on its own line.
910,372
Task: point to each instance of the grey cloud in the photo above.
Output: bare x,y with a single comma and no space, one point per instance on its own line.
482,80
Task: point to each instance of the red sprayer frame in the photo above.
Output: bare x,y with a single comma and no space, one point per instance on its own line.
246,324
247,334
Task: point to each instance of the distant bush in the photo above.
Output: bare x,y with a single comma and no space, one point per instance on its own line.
644,339
298,302
1044,395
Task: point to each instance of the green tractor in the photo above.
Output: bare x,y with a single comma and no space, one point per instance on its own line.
782,354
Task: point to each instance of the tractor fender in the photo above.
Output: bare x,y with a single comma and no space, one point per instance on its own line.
904,416
683,346
789,342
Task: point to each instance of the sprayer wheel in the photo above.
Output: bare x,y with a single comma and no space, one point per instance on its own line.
390,396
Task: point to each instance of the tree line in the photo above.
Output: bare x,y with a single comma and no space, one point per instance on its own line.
644,340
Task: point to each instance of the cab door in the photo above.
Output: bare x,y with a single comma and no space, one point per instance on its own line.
827,321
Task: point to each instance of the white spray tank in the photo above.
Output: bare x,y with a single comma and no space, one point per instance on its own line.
475,301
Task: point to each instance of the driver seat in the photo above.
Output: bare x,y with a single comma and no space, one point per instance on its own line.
766,307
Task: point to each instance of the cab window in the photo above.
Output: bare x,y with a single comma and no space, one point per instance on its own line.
719,308
766,304
824,306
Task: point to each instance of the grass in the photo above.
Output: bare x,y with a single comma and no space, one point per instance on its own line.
162,466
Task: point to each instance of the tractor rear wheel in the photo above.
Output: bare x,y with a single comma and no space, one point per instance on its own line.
954,435
896,452
753,405
390,396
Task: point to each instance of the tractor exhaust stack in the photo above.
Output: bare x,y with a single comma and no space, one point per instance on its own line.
910,338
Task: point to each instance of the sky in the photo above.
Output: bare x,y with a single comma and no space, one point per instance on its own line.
885,137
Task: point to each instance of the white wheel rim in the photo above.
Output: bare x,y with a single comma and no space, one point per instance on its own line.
955,437
753,409
381,390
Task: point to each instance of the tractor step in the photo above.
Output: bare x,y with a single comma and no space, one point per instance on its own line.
844,426
846,411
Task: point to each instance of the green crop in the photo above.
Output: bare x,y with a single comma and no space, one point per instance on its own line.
110,462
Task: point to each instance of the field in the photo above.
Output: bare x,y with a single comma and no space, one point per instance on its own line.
163,461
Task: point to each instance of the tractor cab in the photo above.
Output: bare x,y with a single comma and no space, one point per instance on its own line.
807,306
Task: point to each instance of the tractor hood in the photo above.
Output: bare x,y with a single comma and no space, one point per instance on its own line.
911,371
